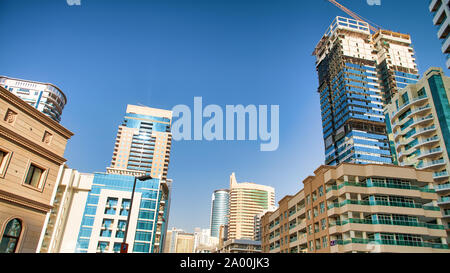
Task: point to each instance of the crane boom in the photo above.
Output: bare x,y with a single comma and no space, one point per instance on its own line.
354,15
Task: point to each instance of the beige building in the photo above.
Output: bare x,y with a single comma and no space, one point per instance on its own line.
420,120
246,201
358,208
179,241
31,154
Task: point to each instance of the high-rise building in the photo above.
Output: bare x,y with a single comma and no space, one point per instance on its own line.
246,201
143,142
358,208
420,119
359,72
219,211
142,148
45,97
32,147
441,14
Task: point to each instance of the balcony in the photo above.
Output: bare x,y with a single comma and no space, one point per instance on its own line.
382,203
402,108
379,185
443,187
444,200
440,175
432,164
393,223
391,242
430,152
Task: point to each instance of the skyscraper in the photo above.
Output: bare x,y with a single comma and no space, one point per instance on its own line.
246,201
219,211
441,14
359,72
45,97
143,142
142,147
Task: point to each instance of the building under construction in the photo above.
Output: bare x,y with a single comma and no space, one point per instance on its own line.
359,71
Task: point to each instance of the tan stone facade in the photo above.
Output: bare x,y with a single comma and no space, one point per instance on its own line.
32,148
358,208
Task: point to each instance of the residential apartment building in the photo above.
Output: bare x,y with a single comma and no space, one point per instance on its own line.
142,148
45,97
257,224
420,119
32,147
219,210
440,9
359,208
246,201
358,72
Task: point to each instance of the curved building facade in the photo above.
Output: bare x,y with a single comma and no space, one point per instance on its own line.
219,211
45,97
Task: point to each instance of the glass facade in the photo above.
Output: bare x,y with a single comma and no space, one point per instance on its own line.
114,227
219,211
353,122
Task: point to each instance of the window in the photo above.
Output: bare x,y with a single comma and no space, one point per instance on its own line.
322,207
324,242
102,247
11,236
4,159
323,223
314,196
34,176
320,191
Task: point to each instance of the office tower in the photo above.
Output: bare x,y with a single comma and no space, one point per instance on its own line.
45,97
219,211
142,148
359,72
358,208
440,9
246,201
32,147
420,119
143,142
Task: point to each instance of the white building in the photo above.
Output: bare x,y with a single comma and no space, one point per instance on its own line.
45,97
441,11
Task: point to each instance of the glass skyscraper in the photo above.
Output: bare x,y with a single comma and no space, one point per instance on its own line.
142,148
359,72
219,211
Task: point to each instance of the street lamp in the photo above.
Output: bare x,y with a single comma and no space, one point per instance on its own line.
124,245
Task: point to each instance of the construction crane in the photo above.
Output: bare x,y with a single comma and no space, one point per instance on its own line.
355,16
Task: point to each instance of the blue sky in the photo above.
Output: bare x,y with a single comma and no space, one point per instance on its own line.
105,54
